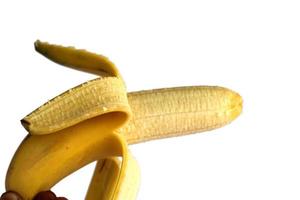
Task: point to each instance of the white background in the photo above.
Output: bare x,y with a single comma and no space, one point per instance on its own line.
252,47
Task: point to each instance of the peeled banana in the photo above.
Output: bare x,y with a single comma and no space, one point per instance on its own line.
96,121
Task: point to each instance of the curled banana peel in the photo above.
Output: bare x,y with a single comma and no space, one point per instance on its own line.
97,120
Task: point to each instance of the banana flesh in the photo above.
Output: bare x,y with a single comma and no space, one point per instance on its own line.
163,113
96,121
91,99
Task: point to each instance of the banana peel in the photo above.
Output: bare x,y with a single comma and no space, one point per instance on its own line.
97,120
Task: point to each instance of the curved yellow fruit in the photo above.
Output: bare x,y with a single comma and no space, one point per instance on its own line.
98,119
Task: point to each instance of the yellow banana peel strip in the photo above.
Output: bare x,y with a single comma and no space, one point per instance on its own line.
96,121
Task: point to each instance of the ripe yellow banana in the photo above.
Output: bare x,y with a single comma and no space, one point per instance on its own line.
96,120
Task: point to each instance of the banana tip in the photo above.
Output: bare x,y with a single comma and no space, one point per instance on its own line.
37,44
25,124
237,106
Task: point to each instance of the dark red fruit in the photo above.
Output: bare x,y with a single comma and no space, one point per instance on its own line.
10,195
45,195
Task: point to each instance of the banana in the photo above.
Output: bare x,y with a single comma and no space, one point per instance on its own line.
96,121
